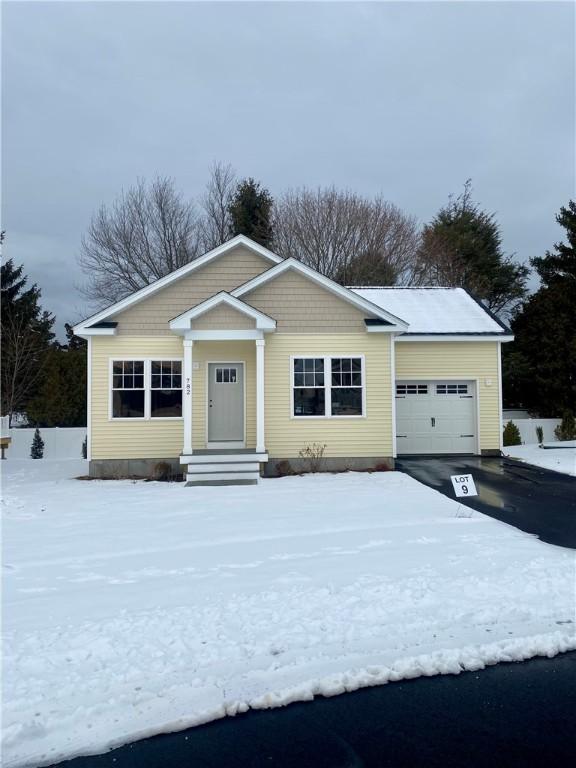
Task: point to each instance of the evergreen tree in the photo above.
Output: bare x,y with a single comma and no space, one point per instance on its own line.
37,449
511,435
539,367
26,338
61,399
251,212
462,246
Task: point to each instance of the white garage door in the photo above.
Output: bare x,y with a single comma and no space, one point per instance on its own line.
436,417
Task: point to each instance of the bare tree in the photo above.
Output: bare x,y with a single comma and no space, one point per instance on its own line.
216,223
23,357
347,237
149,231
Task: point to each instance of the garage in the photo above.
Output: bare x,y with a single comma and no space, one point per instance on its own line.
436,417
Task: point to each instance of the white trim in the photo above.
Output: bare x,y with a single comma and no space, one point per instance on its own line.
89,401
147,388
454,337
187,396
501,440
434,380
260,394
231,443
247,335
183,321
87,332
325,282
147,290
238,458
328,386
393,380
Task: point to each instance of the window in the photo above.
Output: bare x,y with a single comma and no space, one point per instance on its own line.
165,389
309,392
226,376
451,389
328,386
146,389
128,394
411,389
346,392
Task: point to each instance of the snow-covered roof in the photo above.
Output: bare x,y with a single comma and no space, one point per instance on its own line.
434,310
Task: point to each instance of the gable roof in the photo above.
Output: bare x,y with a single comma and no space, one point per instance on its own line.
182,321
437,310
352,297
157,285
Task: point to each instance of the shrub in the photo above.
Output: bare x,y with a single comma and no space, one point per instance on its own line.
37,448
540,435
284,469
162,471
85,448
313,456
511,434
566,430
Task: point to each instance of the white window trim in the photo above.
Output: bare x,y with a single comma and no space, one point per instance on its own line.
147,388
327,385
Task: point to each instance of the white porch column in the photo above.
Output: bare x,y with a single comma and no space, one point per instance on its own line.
187,397
260,447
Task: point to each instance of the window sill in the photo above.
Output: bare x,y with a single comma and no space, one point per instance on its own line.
145,418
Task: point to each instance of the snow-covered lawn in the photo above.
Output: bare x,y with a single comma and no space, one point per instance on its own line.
559,459
136,608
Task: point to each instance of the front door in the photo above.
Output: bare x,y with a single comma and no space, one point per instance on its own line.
226,404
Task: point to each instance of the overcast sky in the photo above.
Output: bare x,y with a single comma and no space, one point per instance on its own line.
405,99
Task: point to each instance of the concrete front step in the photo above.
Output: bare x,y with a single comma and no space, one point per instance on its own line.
222,478
240,467
223,457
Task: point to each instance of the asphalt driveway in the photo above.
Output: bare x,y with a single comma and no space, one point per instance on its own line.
535,500
511,715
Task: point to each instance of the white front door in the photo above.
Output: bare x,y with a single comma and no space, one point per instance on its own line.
226,404
436,417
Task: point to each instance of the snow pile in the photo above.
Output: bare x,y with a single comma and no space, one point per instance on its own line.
561,458
138,608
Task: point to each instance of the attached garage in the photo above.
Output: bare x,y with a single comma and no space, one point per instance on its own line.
436,416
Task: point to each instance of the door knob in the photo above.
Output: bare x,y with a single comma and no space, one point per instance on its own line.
433,421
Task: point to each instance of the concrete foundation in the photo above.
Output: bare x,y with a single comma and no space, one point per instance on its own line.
111,469
277,467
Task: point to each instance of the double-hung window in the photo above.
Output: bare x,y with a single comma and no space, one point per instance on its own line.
128,392
146,389
328,386
165,389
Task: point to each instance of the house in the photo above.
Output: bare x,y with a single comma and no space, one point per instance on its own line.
239,360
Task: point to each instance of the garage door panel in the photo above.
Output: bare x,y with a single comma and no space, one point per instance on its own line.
436,417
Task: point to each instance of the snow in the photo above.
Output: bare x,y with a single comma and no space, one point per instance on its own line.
135,608
560,458
433,310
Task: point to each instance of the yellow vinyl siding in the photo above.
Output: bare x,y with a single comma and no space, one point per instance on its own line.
462,360
301,306
141,439
152,315
223,318
131,439
204,352
369,436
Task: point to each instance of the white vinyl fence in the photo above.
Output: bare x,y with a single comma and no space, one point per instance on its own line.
527,429
65,443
